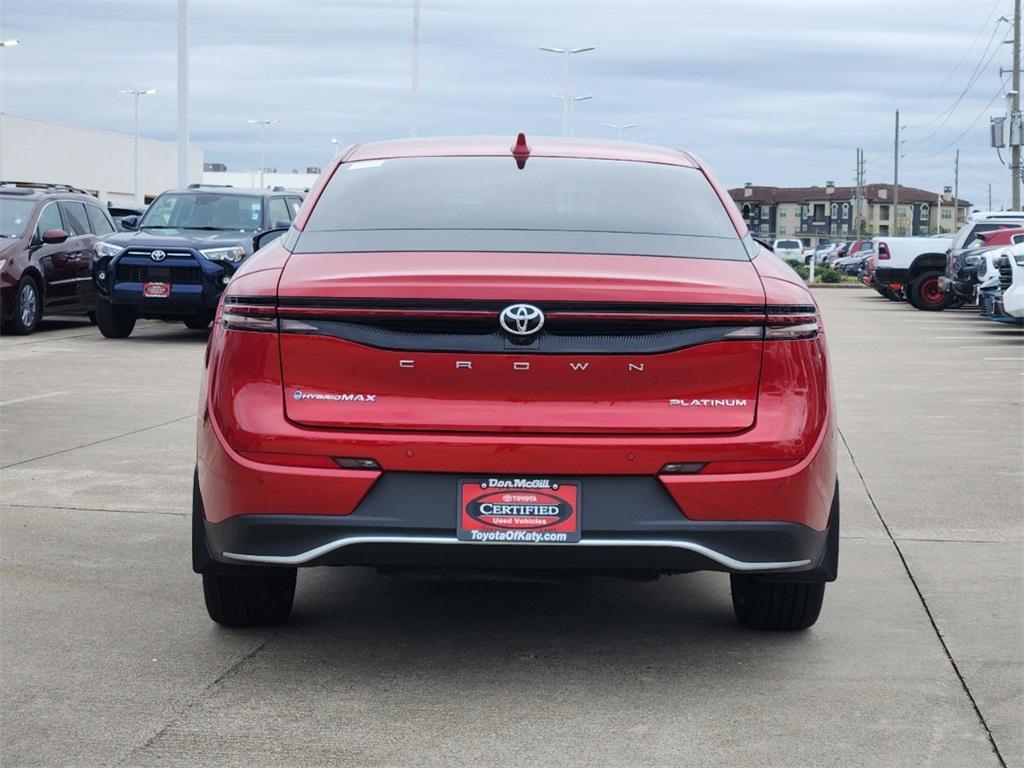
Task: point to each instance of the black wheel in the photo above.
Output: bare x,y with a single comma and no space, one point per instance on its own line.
114,322
28,306
924,293
890,294
263,599
776,605
199,322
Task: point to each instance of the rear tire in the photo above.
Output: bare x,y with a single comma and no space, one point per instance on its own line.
776,605
924,293
262,599
28,307
114,322
199,322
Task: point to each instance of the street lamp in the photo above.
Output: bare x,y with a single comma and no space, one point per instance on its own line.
620,128
135,93
10,43
572,112
337,146
263,143
567,100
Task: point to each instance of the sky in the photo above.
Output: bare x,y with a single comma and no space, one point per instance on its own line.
770,92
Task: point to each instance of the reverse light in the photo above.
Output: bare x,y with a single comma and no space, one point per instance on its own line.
107,250
233,254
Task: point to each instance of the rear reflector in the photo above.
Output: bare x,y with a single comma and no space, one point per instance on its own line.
683,468
349,463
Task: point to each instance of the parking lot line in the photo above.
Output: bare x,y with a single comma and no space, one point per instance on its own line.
25,399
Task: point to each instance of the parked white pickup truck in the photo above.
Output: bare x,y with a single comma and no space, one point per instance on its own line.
911,267
1010,299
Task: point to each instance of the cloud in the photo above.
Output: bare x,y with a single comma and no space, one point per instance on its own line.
769,92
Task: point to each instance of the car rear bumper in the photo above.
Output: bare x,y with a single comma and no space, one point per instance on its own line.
255,513
890,275
628,524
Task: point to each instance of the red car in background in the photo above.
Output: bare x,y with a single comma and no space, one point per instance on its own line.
547,355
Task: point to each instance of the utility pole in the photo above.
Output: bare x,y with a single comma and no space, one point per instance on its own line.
990,196
414,107
1015,148
182,93
895,231
858,195
956,192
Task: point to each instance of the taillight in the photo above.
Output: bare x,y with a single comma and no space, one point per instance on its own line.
240,316
883,251
792,322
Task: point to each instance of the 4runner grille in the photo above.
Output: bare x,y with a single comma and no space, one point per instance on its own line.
135,273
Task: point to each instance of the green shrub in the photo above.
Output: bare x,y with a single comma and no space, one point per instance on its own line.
798,267
827,275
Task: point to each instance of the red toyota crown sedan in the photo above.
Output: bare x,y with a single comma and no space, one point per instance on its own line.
546,355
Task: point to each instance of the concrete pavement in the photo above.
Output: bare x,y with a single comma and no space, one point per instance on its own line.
107,657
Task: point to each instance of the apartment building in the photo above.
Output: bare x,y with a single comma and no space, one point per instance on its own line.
819,214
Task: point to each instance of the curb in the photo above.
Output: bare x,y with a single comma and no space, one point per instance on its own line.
835,285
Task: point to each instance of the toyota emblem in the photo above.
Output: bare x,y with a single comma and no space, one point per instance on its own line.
158,255
521,319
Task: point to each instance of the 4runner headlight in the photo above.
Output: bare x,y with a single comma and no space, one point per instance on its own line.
234,254
107,250
1019,258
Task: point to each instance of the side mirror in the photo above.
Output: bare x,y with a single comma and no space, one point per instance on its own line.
130,223
54,236
267,236
282,224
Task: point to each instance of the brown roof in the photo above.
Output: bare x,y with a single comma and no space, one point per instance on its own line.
775,195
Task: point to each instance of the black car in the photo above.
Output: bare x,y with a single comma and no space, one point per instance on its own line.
176,259
47,234
119,212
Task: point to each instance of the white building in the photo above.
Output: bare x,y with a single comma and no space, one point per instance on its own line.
101,162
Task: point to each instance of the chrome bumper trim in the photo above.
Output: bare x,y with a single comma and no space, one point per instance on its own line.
718,557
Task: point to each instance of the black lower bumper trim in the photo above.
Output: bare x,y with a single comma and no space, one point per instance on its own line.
629,524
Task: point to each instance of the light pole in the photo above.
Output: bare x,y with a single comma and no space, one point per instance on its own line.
263,143
337,146
619,128
572,112
10,43
135,93
567,99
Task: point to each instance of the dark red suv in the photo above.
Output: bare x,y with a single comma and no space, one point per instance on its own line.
552,355
47,232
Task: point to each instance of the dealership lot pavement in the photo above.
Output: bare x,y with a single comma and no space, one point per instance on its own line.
107,657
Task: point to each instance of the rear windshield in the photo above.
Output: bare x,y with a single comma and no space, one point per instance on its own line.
788,244
555,205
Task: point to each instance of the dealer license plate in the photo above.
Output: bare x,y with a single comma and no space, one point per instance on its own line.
518,510
156,290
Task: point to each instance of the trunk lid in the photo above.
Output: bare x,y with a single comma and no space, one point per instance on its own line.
413,341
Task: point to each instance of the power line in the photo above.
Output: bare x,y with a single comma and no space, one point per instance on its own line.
973,123
979,69
966,53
